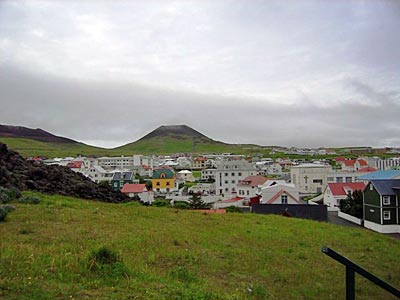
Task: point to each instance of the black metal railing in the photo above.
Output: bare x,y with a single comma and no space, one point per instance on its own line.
351,269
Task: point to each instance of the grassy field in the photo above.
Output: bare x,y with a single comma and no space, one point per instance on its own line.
171,254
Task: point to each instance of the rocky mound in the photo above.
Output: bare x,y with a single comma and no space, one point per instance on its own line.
15,171
34,134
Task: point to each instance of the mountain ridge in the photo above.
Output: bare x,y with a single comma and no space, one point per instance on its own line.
34,134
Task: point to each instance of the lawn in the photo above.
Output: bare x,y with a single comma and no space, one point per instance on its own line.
175,254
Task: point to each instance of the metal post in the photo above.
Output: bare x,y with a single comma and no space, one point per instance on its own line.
350,283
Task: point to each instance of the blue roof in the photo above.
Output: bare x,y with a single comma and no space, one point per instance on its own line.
386,174
386,187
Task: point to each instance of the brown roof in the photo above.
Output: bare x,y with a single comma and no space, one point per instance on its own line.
253,181
133,188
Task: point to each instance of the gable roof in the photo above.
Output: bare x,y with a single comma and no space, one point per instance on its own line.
123,175
386,187
253,181
168,173
278,194
133,188
77,164
341,189
367,169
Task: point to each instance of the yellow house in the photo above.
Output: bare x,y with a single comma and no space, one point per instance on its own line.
163,180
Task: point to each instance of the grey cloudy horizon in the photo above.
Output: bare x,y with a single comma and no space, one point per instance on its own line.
289,73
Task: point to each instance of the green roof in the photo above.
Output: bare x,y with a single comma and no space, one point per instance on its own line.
168,174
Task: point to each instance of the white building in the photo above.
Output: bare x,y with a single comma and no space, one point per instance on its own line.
229,173
281,193
250,186
335,192
208,174
310,178
185,175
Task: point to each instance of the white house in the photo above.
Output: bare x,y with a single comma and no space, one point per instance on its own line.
310,178
98,174
229,173
335,192
208,174
281,193
138,190
185,175
250,186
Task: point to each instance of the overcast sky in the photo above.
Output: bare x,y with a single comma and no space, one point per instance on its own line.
289,73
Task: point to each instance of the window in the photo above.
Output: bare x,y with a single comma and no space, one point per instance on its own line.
284,199
386,200
167,183
371,187
349,179
240,174
248,193
226,174
157,183
226,181
233,181
317,181
386,215
329,179
339,179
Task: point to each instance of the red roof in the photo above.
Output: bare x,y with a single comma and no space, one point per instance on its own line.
339,189
349,162
232,200
133,188
145,167
200,159
362,162
253,181
367,169
75,164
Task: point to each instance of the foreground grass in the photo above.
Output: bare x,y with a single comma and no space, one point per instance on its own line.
170,254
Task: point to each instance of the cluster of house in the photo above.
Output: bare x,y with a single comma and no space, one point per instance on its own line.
232,180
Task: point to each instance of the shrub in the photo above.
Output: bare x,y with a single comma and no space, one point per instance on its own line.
103,256
233,209
4,210
181,205
4,198
107,262
29,200
161,203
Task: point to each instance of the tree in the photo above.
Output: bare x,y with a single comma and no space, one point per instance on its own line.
195,202
353,204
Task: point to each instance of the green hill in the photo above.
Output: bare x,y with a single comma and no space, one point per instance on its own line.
163,140
45,253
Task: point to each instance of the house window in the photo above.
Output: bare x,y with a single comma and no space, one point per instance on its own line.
167,183
371,187
386,215
248,193
233,181
232,174
386,200
226,174
240,174
284,199
348,179
157,183
226,181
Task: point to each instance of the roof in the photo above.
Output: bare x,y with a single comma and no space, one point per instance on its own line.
75,164
384,174
351,162
253,181
200,159
123,175
185,172
386,187
168,174
145,167
278,194
342,188
232,200
134,188
367,169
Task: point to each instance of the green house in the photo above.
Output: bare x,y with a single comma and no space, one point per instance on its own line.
120,178
381,205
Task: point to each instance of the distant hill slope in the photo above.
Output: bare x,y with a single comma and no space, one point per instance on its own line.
179,138
34,134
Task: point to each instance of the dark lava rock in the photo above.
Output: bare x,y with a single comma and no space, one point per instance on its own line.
15,171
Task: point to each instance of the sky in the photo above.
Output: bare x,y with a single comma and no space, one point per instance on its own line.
296,73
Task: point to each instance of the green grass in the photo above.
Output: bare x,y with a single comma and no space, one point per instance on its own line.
171,254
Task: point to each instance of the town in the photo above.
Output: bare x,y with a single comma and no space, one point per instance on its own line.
250,183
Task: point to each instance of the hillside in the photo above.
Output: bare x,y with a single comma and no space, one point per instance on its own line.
179,138
171,254
34,134
15,171
163,140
